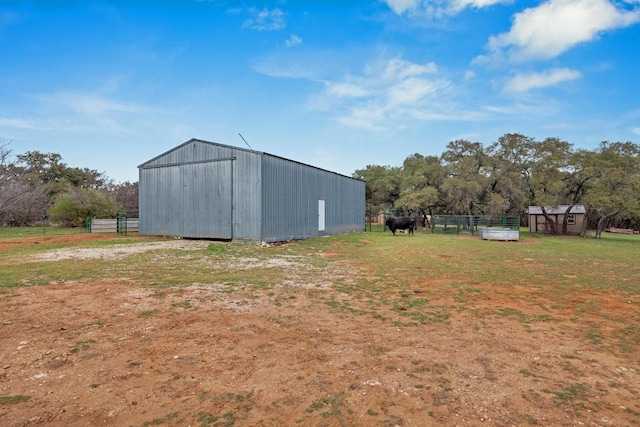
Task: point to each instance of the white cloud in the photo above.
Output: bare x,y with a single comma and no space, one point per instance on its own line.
345,90
469,75
402,6
525,82
556,26
293,40
368,117
458,5
388,94
90,104
411,91
10,122
400,69
437,8
77,112
265,20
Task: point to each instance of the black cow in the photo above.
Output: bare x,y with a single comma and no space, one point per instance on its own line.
401,223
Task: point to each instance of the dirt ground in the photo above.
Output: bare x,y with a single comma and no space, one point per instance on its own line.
115,353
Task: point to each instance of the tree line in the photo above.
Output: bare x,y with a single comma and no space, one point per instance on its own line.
38,187
511,174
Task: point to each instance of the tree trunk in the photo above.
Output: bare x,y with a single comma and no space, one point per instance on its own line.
603,222
585,223
550,222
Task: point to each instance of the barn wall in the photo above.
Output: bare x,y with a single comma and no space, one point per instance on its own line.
201,190
290,195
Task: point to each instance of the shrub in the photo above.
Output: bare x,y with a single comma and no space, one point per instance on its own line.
74,206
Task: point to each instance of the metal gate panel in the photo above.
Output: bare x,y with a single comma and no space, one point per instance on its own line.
207,200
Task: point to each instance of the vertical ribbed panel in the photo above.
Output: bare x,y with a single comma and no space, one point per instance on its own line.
201,190
290,195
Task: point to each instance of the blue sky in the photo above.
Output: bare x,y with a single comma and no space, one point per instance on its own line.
336,84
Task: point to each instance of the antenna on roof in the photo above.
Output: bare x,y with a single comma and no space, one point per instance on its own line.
245,141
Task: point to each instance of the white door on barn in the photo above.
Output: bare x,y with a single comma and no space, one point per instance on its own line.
321,216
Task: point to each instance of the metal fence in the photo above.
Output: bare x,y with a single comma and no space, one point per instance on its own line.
123,224
454,224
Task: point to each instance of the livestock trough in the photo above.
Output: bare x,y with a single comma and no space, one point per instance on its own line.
497,233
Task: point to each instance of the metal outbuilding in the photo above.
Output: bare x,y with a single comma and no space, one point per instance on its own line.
203,189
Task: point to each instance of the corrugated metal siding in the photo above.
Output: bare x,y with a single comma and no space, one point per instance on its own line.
246,196
290,194
207,200
272,199
160,195
188,185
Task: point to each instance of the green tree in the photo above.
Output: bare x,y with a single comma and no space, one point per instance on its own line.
21,202
508,170
32,181
74,206
526,172
578,181
549,172
34,167
465,189
421,182
383,185
615,187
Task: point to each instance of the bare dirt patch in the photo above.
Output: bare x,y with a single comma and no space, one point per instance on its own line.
118,251
106,352
9,244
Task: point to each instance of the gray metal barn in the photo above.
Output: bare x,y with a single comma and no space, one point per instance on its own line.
203,189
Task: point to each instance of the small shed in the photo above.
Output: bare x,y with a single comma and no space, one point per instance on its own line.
203,189
538,223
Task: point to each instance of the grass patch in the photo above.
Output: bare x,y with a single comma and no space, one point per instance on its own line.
328,407
12,400
81,345
38,231
405,281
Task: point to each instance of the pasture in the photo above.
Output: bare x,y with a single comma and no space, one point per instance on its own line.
359,330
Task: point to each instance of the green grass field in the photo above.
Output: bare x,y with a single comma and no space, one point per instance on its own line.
548,324
546,262
22,232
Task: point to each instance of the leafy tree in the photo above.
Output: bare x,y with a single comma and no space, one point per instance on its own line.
525,172
30,184
465,189
383,185
21,203
578,181
48,169
615,186
549,172
421,183
508,170
73,207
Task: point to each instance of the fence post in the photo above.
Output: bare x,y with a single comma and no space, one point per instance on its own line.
121,223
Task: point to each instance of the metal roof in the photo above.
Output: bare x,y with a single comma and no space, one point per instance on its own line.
557,210
145,164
